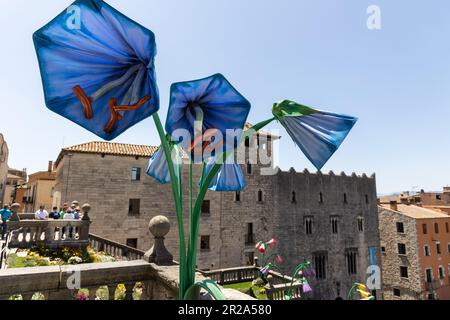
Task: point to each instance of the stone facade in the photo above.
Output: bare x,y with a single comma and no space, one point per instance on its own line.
85,174
418,239
40,190
410,288
14,181
4,153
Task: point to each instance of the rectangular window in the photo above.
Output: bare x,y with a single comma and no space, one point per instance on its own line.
438,197
260,196
367,199
237,196
427,251
396,292
352,261
429,275
400,227
436,228
132,243
360,224
249,237
204,242
438,248
441,272
136,174
447,229
206,207
424,228
402,249
247,142
134,206
320,265
308,222
334,225
448,247
404,272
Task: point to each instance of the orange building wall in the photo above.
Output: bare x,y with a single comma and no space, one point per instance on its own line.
435,260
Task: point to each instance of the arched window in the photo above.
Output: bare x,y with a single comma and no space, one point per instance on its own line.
260,196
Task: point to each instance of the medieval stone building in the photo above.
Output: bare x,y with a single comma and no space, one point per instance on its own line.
330,220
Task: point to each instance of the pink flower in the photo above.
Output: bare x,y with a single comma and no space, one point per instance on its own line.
258,244
82,297
262,248
272,242
278,259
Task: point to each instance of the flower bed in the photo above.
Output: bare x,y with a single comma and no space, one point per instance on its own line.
41,256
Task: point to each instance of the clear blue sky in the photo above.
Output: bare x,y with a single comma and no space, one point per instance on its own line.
319,53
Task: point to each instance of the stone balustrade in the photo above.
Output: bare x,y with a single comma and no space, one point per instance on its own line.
155,277
233,275
153,282
51,233
279,291
115,249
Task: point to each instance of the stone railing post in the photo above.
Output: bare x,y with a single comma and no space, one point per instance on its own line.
86,221
159,226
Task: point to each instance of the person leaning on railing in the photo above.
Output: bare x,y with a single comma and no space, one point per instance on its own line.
41,214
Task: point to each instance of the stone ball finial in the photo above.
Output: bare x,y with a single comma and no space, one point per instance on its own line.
86,208
15,206
159,226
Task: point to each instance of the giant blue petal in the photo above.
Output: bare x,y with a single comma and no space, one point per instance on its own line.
95,48
229,178
159,169
319,134
222,105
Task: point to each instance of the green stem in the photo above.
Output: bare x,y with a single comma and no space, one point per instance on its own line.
176,190
192,249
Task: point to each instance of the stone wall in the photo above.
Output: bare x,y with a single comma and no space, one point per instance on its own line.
360,196
410,288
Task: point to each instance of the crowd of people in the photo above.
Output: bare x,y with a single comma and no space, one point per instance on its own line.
72,212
